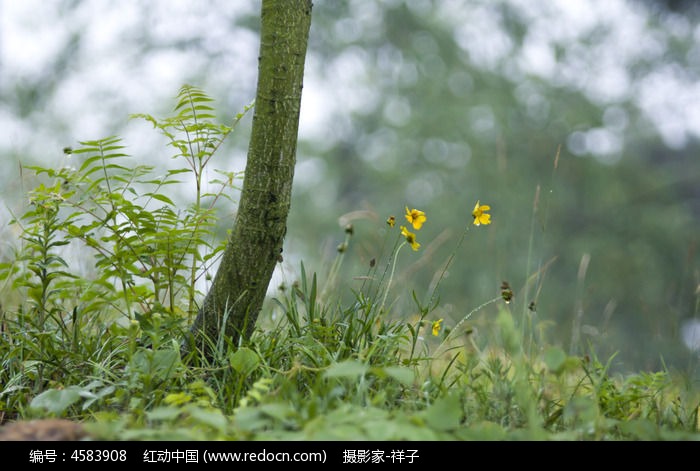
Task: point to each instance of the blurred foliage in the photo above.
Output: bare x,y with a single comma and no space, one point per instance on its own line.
561,126
595,217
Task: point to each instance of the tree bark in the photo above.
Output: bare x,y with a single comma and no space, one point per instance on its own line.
231,307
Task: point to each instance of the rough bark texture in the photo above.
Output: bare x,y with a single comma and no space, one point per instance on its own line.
238,290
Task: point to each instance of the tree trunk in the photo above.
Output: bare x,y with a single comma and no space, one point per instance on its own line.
231,307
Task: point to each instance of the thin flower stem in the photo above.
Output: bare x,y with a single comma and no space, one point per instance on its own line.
447,265
465,319
335,268
391,276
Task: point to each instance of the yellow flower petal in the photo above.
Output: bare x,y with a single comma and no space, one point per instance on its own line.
415,217
479,214
437,325
410,238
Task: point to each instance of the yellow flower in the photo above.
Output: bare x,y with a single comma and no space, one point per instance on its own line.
391,220
437,325
415,217
410,238
480,216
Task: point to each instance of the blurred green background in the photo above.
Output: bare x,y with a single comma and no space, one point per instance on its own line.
577,122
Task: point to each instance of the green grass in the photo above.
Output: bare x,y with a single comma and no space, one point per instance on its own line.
325,372
329,360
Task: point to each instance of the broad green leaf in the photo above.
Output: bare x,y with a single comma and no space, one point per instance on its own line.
554,358
56,401
161,197
166,413
403,375
244,360
211,417
445,413
346,369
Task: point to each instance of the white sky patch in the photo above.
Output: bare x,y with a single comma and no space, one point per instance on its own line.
612,35
482,36
309,172
690,332
692,111
538,56
102,32
670,103
317,104
604,39
13,130
28,40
